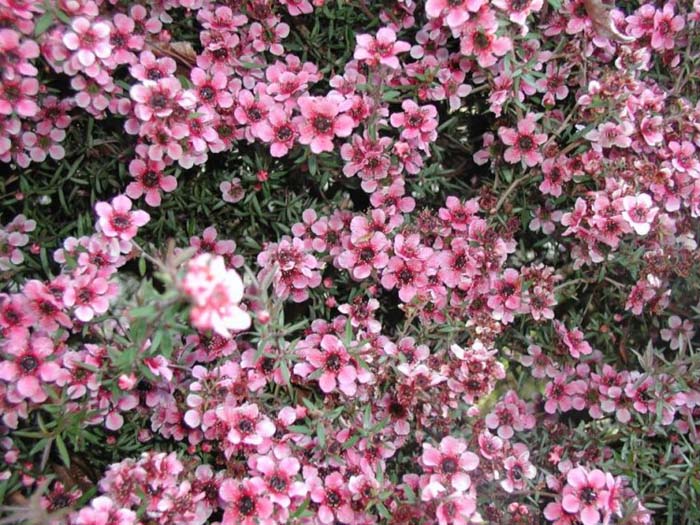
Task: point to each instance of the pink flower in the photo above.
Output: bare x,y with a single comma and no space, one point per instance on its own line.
232,191
334,361
333,499
117,219
406,275
363,256
518,469
418,122
47,310
216,293
585,493
506,298
523,143
455,12
610,134
88,41
211,91
639,212
297,7
678,332
103,510
156,99
18,95
279,474
15,55
27,366
279,132
246,425
518,10
665,27
150,179
380,50
485,45
320,122
246,502
89,295
447,466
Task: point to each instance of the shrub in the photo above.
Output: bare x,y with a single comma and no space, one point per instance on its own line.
349,262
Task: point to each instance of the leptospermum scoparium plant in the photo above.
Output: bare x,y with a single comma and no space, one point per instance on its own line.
332,262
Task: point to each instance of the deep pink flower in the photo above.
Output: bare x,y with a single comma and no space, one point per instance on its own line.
333,499
150,180
334,361
279,131
279,475
523,143
117,219
485,45
210,90
406,275
666,24
47,310
417,122
246,425
27,366
246,502
321,121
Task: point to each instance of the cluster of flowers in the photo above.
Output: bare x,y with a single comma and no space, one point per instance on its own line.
384,395
37,321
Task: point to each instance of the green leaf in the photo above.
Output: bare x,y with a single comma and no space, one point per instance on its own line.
43,23
321,434
62,451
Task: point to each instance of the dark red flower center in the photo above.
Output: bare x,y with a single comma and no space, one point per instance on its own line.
28,364
207,93
278,483
246,505
322,124
449,466
245,426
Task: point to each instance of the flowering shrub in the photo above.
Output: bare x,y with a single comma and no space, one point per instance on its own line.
320,262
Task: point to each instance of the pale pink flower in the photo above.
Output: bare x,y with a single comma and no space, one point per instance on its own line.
448,467
117,219
216,293
679,332
455,12
639,212
381,49
88,41
585,493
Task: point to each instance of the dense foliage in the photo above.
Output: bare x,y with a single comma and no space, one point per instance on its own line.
321,262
